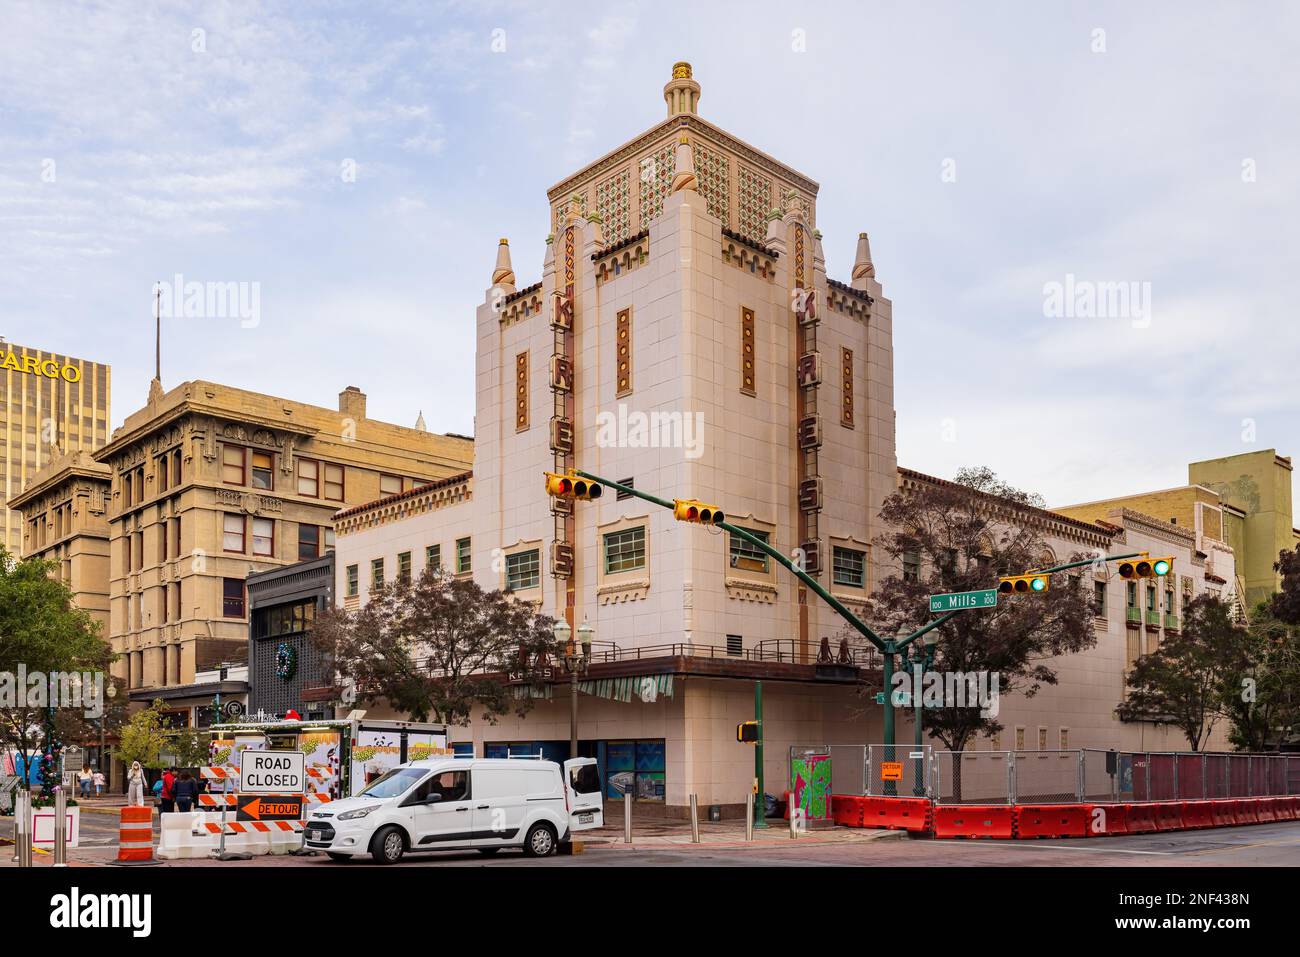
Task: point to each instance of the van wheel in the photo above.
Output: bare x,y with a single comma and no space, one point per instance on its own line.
388,845
488,850
540,841
341,858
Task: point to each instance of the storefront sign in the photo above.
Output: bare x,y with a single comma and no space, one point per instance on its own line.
31,365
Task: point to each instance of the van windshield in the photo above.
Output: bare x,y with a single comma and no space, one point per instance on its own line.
392,783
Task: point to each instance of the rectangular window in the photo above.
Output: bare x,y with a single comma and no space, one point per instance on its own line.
1042,739
911,566
404,568
1169,601
433,558
1099,599
462,556
523,570
262,471
1064,739
1132,594
849,567
1151,598
329,539
176,467
1020,739
353,581
309,478
233,533
334,482
263,536
308,542
376,572
232,597
390,484
232,464
625,550
745,555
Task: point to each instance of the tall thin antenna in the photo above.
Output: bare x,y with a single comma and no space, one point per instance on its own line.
157,332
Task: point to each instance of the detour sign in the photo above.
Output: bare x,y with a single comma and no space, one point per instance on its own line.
255,807
891,770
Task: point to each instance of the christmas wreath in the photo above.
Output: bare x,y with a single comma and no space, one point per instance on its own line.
286,661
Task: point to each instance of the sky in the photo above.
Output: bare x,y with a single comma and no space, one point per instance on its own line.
1087,216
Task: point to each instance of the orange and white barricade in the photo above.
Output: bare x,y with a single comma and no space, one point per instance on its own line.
135,835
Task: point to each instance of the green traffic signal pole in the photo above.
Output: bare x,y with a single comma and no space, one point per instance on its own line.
888,647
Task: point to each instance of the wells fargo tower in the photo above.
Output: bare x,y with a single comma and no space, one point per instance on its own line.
50,405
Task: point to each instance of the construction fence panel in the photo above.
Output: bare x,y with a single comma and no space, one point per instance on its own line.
1101,775
1163,777
849,763
899,770
1047,777
1190,770
973,777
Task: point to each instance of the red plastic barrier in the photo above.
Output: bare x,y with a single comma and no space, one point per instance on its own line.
1247,811
1141,818
846,810
899,814
1198,814
979,820
1168,815
1288,809
1266,810
1224,813
1052,820
1105,820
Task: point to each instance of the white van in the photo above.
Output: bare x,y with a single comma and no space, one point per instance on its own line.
456,803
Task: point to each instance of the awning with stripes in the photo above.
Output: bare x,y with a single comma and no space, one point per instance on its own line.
646,688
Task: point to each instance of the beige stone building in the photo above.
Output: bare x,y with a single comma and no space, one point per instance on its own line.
210,483
65,520
50,404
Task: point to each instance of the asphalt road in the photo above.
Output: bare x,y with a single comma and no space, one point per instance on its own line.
1261,845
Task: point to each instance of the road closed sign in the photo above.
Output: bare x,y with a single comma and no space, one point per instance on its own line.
272,772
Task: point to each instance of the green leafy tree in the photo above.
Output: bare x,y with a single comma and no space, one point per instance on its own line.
1183,682
144,736
440,646
960,536
1260,693
1285,604
42,632
189,747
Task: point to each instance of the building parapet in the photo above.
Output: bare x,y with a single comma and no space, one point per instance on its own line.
402,505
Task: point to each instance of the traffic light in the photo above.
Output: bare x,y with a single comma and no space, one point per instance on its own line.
1146,567
570,486
747,732
1023,584
689,510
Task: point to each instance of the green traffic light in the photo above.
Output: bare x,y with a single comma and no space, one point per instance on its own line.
1161,567
1038,584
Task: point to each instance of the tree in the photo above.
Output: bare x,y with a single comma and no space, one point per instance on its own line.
1260,691
46,641
1182,683
440,646
954,537
144,736
1285,604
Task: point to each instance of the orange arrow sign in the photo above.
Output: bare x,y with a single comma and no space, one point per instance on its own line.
256,808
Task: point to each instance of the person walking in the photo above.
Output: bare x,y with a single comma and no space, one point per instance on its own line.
135,785
187,791
167,797
100,782
85,779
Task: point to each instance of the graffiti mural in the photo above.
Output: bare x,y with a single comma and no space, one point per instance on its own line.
810,785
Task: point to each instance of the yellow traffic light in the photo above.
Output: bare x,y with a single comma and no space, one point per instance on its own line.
571,486
1023,584
1146,567
689,510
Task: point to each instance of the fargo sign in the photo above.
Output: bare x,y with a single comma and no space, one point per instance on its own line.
272,772
34,366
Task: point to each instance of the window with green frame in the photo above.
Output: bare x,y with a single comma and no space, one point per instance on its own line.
745,555
849,567
523,570
353,581
376,572
404,568
625,550
433,558
462,556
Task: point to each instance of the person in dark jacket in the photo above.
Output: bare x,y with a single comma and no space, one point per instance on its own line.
187,791
167,799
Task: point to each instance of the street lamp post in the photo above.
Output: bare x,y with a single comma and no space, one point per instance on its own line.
577,657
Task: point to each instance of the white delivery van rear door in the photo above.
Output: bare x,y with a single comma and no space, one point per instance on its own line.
583,794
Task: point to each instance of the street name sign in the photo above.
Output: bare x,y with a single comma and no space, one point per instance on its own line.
255,807
960,601
272,772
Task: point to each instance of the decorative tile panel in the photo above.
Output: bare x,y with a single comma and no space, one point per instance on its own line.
656,173
623,352
711,173
521,392
747,352
614,206
755,198
846,374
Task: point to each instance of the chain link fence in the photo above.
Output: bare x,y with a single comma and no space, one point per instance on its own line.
1059,777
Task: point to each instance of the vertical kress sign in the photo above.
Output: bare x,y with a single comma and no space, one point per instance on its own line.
272,772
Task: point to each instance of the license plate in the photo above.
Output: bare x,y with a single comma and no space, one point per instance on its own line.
313,835
586,818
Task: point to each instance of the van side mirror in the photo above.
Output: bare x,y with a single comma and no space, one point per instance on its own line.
433,798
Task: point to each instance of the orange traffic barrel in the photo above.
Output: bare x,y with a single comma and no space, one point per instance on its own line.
135,835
